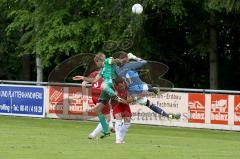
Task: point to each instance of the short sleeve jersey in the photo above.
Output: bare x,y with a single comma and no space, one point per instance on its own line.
108,72
96,87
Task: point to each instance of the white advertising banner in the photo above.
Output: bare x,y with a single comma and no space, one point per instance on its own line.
198,110
170,102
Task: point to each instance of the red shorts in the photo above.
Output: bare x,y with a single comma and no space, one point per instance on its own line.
106,110
124,109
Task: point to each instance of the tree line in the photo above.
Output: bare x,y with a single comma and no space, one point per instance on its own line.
197,39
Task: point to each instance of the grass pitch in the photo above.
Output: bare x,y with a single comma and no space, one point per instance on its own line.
31,138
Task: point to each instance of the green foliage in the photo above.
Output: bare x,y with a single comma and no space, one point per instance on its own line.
232,5
8,53
214,5
175,32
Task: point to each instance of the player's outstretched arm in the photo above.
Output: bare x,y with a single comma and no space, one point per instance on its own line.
87,79
133,65
84,83
119,99
133,57
78,78
118,61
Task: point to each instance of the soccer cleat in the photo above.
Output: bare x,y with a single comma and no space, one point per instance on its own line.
133,57
120,142
174,116
91,137
123,142
156,91
170,116
104,135
148,103
177,116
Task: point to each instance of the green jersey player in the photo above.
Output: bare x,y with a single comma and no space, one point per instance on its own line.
108,74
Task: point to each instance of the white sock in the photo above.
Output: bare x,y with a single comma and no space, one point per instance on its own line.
97,130
118,128
125,128
110,124
112,120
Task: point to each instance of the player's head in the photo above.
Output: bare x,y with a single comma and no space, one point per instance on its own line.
121,86
123,56
99,59
118,80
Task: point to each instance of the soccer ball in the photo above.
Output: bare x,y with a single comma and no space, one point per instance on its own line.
137,8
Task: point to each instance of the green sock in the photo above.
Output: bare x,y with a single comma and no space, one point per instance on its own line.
103,123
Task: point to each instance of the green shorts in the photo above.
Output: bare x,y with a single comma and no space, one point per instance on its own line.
107,93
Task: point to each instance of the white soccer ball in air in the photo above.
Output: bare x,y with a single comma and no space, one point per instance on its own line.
137,8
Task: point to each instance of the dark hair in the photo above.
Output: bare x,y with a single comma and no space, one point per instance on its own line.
118,80
122,55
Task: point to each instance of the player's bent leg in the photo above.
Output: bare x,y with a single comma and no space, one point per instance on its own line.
99,128
104,126
102,102
102,120
157,109
160,111
95,132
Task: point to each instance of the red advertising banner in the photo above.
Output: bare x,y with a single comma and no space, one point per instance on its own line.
91,106
93,94
236,110
75,100
219,109
56,100
196,108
